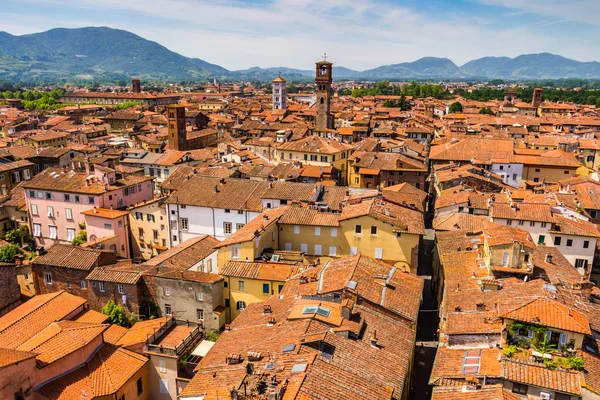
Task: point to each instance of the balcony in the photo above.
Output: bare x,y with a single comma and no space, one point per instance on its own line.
174,338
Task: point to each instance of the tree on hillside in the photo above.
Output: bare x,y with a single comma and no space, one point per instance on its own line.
456,107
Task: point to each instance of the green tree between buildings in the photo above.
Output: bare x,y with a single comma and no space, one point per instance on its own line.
486,111
9,252
456,107
116,314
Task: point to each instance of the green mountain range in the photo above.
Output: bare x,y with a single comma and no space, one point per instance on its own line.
106,54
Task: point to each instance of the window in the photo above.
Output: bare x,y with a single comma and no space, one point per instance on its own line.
569,242
166,291
16,177
238,226
332,251
227,228
303,247
333,232
200,314
353,251
537,170
83,284
91,200
70,234
581,263
240,306
53,232
227,210
508,222
318,250
66,197
586,244
358,229
526,258
120,224
471,362
323,158
266,288
241,285
167,309
120,288
566,172
51,211
34,209
140,387
317,231
505,257
108,226
531,223
77,199
543,224
241,212
150,218
37,230
32,194
373,231
521,222
184,224
162,366
139,216
235,251
48,278
378,253
68,214
297,229
519,388
101,286
557,241
541,239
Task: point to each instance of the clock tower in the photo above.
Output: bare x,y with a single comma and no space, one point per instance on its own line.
323,81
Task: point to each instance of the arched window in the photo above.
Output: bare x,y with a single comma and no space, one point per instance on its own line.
241,306
322,100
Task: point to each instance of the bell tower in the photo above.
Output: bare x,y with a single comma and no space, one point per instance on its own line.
177,132
323,79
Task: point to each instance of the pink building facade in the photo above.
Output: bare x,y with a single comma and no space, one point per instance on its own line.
57,201
108,229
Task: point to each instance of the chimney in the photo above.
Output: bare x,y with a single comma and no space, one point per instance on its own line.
216,189
374,338
95,210
267,309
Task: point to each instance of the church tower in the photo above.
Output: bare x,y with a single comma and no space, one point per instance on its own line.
323,80
279,93
177,132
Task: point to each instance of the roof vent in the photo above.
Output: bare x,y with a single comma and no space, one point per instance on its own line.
267,309
374,338
233,359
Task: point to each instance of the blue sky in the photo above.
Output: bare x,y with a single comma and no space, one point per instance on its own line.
358,34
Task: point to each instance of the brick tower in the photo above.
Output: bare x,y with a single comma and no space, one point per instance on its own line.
323,80
537,97
177,132
136,86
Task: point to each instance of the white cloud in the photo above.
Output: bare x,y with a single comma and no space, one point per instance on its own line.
295,33
585,11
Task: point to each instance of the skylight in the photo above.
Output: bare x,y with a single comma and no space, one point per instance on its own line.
471,362
325,312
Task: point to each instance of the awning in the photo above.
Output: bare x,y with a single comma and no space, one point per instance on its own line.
203,348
